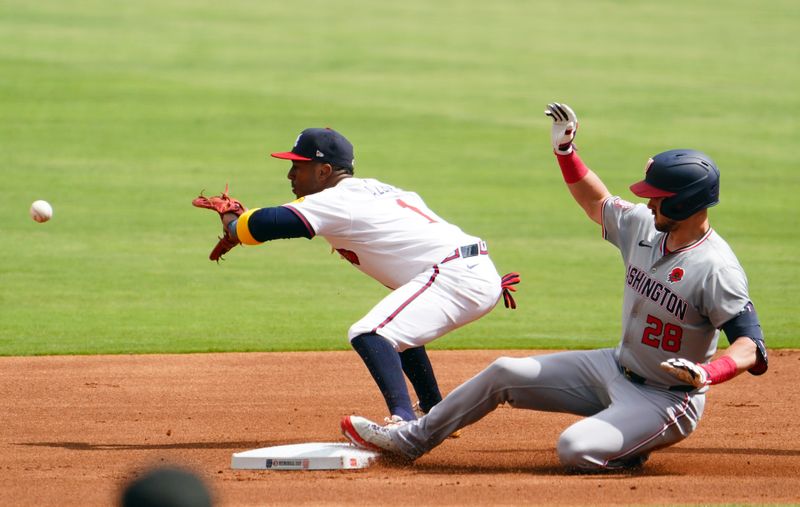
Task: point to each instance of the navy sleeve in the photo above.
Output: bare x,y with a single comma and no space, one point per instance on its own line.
746,324
279,222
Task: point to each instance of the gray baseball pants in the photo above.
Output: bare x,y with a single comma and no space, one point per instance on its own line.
624,421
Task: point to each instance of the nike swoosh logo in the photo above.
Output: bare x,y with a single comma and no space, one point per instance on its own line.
470,267
642,243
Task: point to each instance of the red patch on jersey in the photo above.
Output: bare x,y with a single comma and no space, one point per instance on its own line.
676,275
349,255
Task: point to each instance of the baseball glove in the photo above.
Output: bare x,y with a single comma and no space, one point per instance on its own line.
222,204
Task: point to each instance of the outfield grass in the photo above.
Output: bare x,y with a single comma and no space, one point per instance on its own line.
120,113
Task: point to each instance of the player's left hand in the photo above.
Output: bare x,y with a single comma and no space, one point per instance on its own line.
227,207
565,126
686,371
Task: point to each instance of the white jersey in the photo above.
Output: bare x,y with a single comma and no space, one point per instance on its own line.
388,233
674,302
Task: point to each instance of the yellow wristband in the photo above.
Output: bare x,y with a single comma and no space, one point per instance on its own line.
243,230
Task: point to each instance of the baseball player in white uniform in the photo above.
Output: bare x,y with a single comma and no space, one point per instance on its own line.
682,285
441,278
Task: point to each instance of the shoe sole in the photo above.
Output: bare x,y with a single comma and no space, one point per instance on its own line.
349,431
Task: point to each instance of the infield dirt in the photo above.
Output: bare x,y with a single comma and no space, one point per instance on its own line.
75,430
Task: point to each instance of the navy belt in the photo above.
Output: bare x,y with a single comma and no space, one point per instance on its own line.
638,379
465,251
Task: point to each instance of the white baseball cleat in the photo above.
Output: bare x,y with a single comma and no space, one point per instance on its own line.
367,434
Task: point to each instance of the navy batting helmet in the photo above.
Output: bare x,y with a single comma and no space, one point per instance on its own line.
688,179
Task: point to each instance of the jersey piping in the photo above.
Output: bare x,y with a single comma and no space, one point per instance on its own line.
409,300
671,422
302,218
686,248
603,230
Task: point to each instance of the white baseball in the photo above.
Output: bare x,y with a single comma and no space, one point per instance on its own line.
41,211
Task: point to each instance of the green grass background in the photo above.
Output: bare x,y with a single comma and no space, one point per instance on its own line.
119,113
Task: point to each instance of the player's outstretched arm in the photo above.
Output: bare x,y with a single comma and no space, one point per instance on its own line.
586,187
266,224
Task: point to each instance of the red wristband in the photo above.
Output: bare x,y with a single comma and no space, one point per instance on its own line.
572,167
721,370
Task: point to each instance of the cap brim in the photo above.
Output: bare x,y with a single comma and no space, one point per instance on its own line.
644,189
288,155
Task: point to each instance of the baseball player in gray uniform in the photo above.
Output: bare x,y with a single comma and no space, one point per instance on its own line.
682,285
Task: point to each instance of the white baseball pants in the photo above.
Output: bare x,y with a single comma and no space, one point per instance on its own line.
445,297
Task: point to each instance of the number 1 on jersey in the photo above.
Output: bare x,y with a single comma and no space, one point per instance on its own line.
404,204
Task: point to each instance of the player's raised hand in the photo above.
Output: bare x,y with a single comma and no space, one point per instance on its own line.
565,126
687,371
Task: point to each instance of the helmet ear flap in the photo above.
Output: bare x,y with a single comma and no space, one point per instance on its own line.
700,195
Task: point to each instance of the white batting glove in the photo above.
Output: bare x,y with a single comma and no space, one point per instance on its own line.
687,371
565,126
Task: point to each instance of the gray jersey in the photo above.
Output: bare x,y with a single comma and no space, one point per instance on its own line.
674,302
673,305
